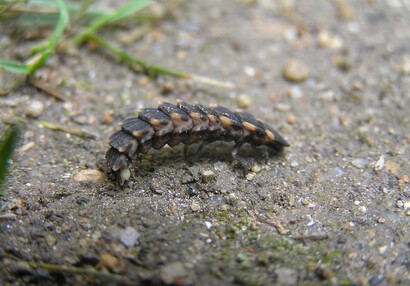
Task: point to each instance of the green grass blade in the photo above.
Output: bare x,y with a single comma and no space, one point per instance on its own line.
50,48
124,12
7,146
15,67
54,39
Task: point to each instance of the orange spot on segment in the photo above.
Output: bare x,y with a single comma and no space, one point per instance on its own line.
249,126
270,135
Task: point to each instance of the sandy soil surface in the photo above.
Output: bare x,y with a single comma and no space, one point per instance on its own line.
333,209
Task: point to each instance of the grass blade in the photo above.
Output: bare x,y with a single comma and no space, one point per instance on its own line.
124,12
155,70
7,146
54,39
15,67
39,60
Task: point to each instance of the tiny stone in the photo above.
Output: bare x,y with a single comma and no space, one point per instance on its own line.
89,175
107,118
195,207
208,225
363,209
399,204
291,118
129,237
51,240
250,176
406,205
294,92
359,163
34,109
172,272
294,164
383,249
392,167
256,169
167,87
305,201
207,175
379,164
381,220
224,208
244,101
254,226
327,40
109,261
295,71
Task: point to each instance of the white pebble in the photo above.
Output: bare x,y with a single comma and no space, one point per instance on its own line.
89,175
208,225
34,109
129,237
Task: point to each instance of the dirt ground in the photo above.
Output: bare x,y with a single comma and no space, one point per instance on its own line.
332,209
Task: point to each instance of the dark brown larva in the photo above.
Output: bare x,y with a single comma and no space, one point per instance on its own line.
170,124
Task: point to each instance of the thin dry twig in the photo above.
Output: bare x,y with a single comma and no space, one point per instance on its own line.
313,236
66,129
103,276
52,126
49,90
273,222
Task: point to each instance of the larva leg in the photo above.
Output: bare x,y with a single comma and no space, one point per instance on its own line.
198,151
264,153
186,146
247,164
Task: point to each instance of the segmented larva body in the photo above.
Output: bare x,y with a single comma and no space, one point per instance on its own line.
170,124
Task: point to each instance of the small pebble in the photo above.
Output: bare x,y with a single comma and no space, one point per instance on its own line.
291,118
34,109
143,81
379,164
129,237
399,204
172,272
208,225
363,209
392,167
294,164
404,180
381,220
26,147
207,175
167,87
244,101
250,176
195,207
383,249
89,175
295,71
51,240
327,40
107,120
256,168
406,205
305,201
109,261
359,163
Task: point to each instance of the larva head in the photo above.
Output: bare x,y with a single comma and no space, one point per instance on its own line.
273,139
